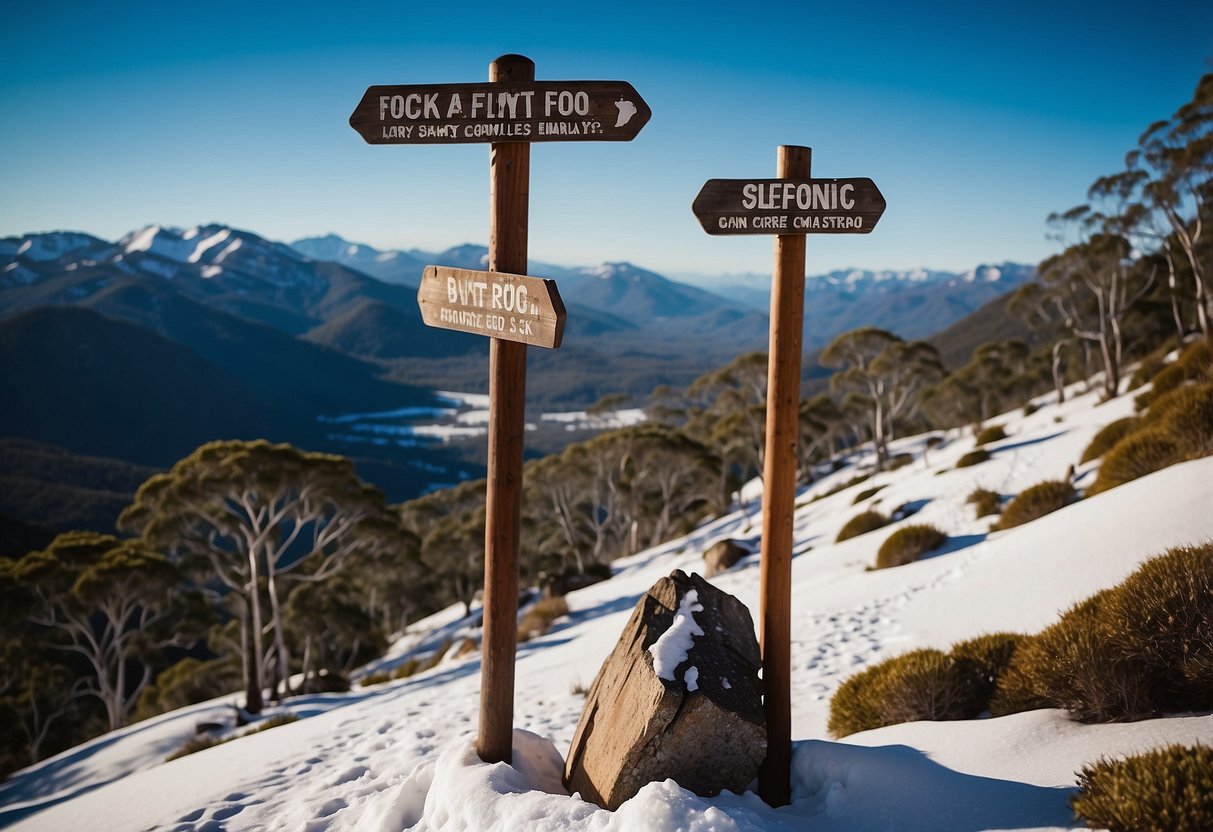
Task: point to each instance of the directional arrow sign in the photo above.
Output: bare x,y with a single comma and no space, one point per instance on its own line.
788,206
512,307
531,111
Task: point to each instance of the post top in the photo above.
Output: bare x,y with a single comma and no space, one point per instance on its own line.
512,68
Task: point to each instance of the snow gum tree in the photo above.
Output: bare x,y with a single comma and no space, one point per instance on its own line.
253,516
888,372
103,599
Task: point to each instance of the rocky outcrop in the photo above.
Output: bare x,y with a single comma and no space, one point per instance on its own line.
679,697
721,556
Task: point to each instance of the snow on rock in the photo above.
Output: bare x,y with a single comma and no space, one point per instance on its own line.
672,647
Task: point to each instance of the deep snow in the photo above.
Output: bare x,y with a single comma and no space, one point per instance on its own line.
399,756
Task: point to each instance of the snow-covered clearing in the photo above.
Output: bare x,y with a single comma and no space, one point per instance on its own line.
398,755
464,416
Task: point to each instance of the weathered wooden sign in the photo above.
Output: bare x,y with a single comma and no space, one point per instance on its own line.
788,206
509,112
513,307
528,111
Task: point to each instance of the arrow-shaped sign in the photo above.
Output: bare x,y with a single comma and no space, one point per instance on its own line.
788,206
529,111
512,307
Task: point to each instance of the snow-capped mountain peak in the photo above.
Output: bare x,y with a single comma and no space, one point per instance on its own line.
51,245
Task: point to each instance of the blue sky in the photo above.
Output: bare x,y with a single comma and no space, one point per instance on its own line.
975,120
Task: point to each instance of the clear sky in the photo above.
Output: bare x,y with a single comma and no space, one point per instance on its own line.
974,119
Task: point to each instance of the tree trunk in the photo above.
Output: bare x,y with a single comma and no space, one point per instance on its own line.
1059,381
284,667
253,702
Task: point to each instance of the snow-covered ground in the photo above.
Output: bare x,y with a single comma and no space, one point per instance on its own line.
464,416
398,755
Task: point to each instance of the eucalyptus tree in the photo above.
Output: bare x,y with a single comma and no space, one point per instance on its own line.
450,527
672,481
1176,156
888,372
103,599
1092,285
732,413
821,423
1033,304
250,513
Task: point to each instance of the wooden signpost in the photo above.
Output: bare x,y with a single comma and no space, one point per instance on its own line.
509,112
790,207
519,111
514,307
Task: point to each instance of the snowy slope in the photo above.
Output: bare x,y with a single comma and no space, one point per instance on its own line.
394,755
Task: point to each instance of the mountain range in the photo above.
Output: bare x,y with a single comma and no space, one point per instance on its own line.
141,348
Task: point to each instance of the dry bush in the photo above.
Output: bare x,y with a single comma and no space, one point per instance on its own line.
1149,367
861,523
986,502
923,684
538,619
993,433
1073,665
407,668
1142,452
1138,649
1186,414
1195,363
866,493
1108,436
973,457
856,480
981,661
899,461
908,544
196,744
1165,790
1161,619
377,678
1035,502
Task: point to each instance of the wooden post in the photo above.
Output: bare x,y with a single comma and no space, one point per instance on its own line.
509,186
779,492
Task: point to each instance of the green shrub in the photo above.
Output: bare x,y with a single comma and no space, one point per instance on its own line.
407,668
981,661
1165,790
867,492
1041,499
973,457
908,544
993,433
1141,452
923,684
1186,414
861,523
1108,436
899,461
538,619
985,501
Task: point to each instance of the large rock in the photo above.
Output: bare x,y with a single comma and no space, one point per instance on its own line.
678,698
721,556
